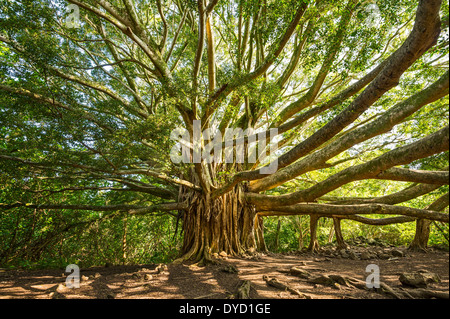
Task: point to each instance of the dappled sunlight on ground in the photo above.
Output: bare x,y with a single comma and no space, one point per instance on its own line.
212,282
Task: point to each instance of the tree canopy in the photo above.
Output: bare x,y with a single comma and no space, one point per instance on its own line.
91,92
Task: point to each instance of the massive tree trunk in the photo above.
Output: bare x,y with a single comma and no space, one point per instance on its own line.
148,87
420,241
339,237
225,224
314,245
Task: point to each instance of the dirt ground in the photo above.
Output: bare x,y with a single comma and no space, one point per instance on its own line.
220,281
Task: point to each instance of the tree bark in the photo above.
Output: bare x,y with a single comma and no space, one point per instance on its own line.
124,239
420,241
339,238
313,243
300,235
277,236
259,232
225,224
435,143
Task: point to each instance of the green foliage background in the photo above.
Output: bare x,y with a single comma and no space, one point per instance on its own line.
54,238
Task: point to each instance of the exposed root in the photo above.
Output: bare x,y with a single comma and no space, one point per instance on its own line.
244,290
339,237
279,285
387,289
427,294
295,271
314,246
401,293
418,249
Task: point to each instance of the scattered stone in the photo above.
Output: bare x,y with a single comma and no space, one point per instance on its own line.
161,268
393,258
336,286
397,253
110,295
365,255
136,276
148,277
230,269
345,255
295,271
97,275
384,256
322,280
353,255
57,295
84,278
223,254
419,279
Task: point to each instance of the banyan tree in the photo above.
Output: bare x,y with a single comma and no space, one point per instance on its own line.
222,113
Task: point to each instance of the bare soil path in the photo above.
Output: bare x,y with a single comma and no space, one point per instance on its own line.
219,281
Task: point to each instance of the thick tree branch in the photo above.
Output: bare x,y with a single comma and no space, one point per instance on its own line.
423,36
226,89
378,221
381,125
133,209
126,27
416,176
177,34
439,204
402,196
211,56
211,5
430,145
200,45
333,49
364,209
84,114
98,173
